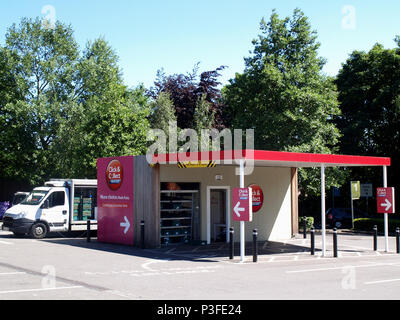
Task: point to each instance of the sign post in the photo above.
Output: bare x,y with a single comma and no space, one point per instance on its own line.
242,208
385,205
355,194
385,215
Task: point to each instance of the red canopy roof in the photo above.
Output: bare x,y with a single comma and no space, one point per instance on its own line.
272,158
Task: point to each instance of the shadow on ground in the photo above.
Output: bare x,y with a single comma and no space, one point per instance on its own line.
203,253
173,252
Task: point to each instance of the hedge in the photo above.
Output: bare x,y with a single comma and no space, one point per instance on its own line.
309,222
367,224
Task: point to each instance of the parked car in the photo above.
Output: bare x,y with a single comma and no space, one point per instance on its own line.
3,208
341,217
17,198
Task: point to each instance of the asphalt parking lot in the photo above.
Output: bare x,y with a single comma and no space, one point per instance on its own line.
70,268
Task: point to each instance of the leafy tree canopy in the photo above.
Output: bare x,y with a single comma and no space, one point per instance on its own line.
283,94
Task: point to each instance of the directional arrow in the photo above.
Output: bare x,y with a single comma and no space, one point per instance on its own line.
237,209
386,205
125,224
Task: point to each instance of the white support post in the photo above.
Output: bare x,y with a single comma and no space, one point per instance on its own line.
242,235
385,215
323,209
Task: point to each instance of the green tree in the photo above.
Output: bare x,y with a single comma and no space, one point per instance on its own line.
162,112
369,96
68,108
113,124
284,95
41,65
203,117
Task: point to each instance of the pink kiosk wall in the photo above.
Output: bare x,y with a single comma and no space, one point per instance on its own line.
115,216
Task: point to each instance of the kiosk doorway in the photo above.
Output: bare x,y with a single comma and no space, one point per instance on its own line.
218,217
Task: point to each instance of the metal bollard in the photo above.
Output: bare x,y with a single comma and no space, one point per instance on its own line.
375,237
255,249
88,231
304,227
397,240
231,246
142,233
335,251
312,240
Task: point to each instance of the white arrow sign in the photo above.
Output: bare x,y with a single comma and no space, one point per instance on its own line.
125,224
386,205
237,209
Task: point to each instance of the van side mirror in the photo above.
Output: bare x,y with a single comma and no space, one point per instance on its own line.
45,205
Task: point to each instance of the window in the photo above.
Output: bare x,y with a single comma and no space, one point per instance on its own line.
57,198
35,197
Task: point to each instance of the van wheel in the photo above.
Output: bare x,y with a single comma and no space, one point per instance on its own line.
38,230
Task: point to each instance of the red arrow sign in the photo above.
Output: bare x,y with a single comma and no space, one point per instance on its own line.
385,200
241,204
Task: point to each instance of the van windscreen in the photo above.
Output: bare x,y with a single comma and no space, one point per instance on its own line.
34,197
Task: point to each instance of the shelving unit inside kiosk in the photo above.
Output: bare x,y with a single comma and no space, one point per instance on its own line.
177,216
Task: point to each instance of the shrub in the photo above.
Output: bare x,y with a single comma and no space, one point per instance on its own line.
367,224
309,222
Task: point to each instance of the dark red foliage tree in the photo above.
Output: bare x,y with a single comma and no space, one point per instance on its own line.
186,89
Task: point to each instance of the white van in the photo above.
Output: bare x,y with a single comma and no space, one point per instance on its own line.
60,205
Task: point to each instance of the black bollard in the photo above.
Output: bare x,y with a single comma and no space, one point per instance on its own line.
142,233
88,231
312,241
255,249
375,237
397,240
231,247
335,252
304,227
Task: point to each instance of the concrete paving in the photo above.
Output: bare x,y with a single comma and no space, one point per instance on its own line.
68,268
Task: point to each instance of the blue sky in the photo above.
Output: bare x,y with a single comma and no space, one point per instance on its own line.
175,34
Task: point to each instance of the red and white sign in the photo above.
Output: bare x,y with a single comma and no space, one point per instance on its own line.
385,200
258,197
114,174
115,215
242,204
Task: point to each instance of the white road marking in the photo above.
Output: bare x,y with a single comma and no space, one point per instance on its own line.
170,250
339,268
146,265
5,242
11,273
381,281
40,289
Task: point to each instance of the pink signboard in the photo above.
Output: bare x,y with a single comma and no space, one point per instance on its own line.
115,200
385,200
242,204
